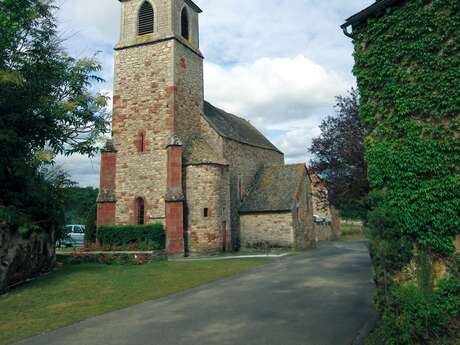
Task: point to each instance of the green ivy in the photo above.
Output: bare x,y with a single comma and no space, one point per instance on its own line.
408,71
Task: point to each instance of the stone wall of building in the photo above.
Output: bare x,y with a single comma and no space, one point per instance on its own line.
188,98
304,229
208,206
142,105
260,229
245,161
212,137
24,258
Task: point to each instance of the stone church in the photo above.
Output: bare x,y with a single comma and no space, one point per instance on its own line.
210,177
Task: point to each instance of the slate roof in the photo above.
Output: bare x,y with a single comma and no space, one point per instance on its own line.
275,189
235,128
198,151
378,8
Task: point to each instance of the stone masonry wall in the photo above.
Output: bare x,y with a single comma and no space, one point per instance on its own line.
304,230
207,187
245,161
276,229
212,137
188,105
142,103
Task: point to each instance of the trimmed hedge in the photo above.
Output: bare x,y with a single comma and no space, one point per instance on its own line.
152,235
78,258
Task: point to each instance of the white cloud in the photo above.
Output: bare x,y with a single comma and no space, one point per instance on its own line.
295,143
83,170
90,21
273,91
235,31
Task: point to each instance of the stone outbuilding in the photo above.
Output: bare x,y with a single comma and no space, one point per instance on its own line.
278,210
176,159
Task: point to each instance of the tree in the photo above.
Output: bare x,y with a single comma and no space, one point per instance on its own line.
79,203
338,157
46,107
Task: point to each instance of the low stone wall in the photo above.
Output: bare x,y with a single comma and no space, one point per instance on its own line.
24,258
274,229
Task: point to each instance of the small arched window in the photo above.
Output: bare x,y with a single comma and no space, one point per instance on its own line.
140,208
185,25
145,20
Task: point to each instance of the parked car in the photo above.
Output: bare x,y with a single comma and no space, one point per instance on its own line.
75,236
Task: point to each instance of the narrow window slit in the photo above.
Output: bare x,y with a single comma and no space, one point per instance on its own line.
140,211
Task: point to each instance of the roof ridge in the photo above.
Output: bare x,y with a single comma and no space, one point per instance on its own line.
236,128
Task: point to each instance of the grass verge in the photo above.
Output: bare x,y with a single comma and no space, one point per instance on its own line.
79,292
352,232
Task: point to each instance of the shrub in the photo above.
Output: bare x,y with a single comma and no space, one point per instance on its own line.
78,258
412,317
147,236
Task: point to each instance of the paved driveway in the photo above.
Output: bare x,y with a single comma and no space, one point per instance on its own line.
321,297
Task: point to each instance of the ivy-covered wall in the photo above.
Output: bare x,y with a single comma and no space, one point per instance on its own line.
408,71
408,74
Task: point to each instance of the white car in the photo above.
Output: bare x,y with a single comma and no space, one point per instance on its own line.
75,236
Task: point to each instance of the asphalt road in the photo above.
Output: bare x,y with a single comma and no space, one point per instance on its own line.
321,297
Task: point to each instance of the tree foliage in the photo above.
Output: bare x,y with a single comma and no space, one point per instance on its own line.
338,157
79,202
80,208
45,104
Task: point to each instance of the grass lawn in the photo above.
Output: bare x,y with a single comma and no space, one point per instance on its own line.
352,232
79,292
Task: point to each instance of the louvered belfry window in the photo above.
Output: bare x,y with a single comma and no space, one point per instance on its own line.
145,19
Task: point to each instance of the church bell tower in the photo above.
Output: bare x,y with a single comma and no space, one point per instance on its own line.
157,105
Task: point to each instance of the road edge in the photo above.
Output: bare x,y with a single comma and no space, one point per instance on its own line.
364,332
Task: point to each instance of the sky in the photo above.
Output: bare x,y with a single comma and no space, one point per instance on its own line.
277,63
